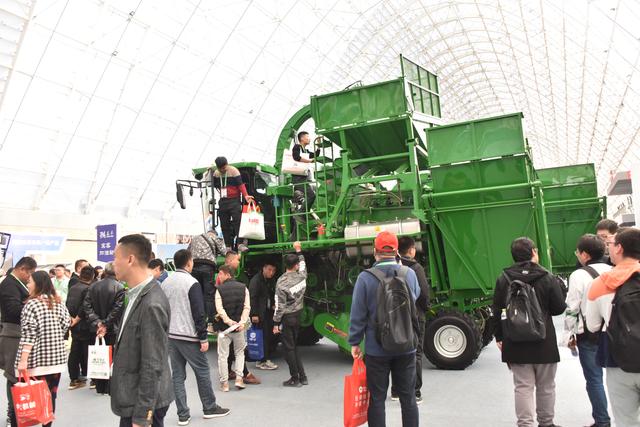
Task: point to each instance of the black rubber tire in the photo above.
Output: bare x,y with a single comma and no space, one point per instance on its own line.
308,336
484,318
487,333
465,323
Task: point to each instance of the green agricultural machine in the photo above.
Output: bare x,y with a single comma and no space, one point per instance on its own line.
463,191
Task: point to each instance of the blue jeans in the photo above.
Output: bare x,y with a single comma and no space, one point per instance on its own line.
595,387
403,374
181,353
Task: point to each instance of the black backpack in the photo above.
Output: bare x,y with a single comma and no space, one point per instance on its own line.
623,330
396,317
523,318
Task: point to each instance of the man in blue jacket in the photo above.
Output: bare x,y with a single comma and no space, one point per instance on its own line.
380,363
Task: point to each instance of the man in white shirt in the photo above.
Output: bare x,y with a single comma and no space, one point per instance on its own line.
590,254
60,282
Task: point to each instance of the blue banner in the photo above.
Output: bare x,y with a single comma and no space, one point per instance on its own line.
106,239
35,243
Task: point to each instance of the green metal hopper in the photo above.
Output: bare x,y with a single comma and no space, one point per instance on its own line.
485,194
573,208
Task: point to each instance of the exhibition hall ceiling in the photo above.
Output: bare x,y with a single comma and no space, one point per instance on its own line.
106,103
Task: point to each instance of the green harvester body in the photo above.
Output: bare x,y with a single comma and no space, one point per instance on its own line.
463,191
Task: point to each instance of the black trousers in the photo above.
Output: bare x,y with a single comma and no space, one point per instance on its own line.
11,414
78,356
303,194
229,212
422,321
204,274
268,339
52,380
158,418
403,374
289,337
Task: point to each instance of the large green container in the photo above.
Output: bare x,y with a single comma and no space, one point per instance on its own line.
476,140
369,121
484,196
572,208
568,183
477,241
500,179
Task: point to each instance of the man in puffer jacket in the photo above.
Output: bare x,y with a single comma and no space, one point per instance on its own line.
286,319
623,387
533,364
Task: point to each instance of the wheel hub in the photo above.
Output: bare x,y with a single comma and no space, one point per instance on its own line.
449,341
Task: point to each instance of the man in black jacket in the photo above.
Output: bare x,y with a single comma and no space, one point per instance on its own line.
407,252
262,310
141,390
103,307
75,276
80,333
13,295
533,363
303,194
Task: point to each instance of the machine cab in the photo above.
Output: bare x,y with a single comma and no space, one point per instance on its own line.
257,179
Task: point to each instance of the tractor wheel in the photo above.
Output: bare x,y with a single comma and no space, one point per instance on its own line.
484,315
308,336
487,333
452,340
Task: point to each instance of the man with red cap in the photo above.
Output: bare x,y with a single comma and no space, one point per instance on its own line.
381,362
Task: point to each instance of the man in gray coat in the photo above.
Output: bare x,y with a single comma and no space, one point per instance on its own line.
141,390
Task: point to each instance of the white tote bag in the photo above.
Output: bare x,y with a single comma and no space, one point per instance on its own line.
99,363
291,166
251,223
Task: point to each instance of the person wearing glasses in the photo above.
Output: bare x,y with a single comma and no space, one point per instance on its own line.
606,230
590,254
621,282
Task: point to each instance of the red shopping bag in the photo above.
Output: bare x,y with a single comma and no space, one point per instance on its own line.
356,395
32,402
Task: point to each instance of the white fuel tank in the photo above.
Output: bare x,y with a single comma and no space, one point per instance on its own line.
358,231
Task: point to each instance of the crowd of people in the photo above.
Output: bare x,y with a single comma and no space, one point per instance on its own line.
153,320
158,323
607,265
601,303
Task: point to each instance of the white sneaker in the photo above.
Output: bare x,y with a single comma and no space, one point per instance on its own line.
269,365
266,366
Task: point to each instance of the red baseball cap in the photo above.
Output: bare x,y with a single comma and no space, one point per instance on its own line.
386,241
